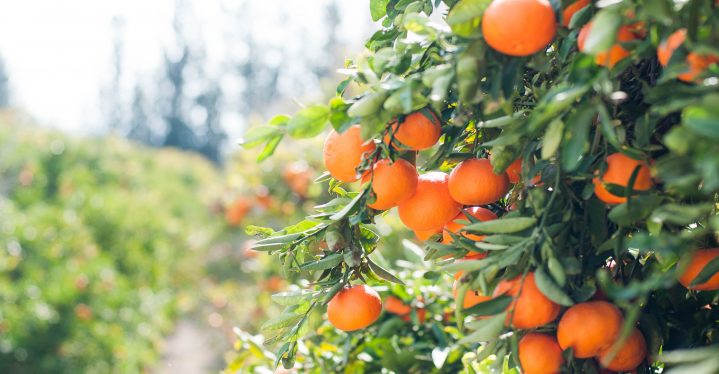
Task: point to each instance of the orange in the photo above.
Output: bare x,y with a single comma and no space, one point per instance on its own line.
343,153
473,182
619,171
354,308
237,211
698,261
530,308
697,63
540,354
629,356
421,316
573,8
392,182
615,53
514,171
419,130
298,177
426,234
519,27
396,306
431,206
471,298
453,226
589,328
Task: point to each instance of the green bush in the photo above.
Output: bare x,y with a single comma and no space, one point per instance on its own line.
99,238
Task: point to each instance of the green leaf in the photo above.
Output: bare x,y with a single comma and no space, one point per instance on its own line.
465,16
367,105
552,138
308,122
502,226
603,31
708,271
382,273
326,262
270,148
486,330
575,143
257,135
284,320
490,307
703,120
550,289
290,298
635,210
378,9
342,213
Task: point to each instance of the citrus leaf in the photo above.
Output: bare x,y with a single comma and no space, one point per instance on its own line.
603,31
284,320
489,307
502,226
378,9
486,330
326,262
708,271
465,16
382,273
290,298
550,289
308,122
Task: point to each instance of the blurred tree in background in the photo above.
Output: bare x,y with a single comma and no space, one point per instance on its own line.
4,85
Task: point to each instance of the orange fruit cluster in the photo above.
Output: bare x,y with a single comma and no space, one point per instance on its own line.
696,62
592,328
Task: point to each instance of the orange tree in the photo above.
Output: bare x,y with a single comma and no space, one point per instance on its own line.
589,129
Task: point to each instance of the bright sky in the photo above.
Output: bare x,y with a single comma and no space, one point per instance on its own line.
58,53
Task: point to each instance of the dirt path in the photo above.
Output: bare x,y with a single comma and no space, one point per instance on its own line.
191,349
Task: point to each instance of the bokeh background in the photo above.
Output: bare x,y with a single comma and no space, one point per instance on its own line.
123,194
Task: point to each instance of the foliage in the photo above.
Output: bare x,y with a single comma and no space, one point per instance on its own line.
561,114
99,238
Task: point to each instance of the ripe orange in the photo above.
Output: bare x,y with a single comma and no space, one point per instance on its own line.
540,354
530,308
237,211
615,53
354,308
392,182
343,153
453,226
697,63
426,234
629,356
396,306
698,261
421,316
573,8
619,171
473,182
514,171
419,130
519,27
589,328
431,206
471,298
298,177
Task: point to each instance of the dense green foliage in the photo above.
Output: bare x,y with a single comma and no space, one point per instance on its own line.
99,238
560,113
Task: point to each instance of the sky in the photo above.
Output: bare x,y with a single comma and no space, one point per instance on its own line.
58,53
